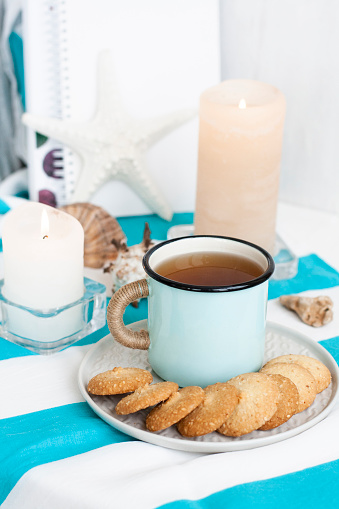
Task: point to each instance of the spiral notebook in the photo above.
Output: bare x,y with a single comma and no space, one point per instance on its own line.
165,53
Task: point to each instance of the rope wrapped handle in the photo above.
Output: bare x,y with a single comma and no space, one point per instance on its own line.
115,311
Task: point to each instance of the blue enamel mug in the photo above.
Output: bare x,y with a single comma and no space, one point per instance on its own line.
197,335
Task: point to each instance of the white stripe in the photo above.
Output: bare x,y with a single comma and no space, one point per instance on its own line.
279,314
140,475
33,383
118,476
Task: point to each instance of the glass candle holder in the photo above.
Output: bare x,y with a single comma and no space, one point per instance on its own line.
48,331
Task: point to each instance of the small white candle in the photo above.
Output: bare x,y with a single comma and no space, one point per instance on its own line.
43,267
43,251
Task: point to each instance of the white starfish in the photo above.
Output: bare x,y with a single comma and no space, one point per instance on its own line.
113,144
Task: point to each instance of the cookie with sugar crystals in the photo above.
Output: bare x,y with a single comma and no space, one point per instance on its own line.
320,372
287,403
220,401
145,396
300,376
178,405
258,401
118,381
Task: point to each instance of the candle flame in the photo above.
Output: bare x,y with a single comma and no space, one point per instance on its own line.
44,224
242,104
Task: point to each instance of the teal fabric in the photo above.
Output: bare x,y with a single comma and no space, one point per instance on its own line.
313,274
23,194
332,346
4,207
10,350
49,435
17,51
312,488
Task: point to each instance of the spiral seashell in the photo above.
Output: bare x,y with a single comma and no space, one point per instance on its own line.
100,230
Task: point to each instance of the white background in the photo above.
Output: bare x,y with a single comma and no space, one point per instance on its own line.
294,46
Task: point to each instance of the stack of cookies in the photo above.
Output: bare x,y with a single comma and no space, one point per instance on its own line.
285,386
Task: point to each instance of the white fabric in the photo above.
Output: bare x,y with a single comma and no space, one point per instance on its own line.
42,382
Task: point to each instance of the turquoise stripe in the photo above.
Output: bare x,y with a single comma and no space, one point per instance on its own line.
4,207
332,346
313,274
16,47
50,435
313,488
10,350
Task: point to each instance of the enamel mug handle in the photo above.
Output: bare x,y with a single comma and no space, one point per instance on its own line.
115,310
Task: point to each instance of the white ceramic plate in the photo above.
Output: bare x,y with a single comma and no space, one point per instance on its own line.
107,354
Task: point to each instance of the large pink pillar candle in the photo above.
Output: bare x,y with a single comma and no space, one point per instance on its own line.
240,139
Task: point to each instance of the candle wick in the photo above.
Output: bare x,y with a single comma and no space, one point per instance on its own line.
45,237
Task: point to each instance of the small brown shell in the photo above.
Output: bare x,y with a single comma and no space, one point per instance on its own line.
100,229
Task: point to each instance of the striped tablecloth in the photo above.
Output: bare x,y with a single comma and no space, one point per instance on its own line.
56,453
